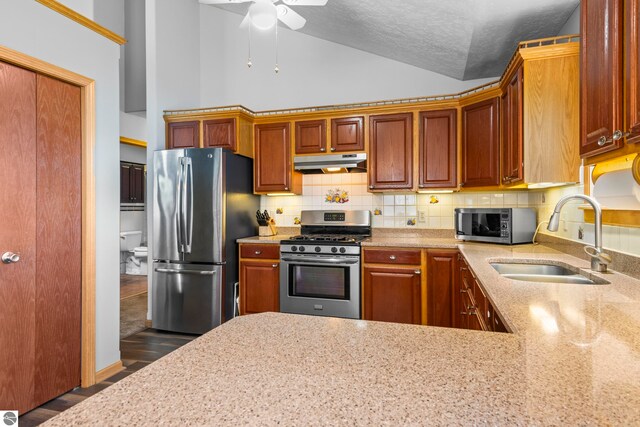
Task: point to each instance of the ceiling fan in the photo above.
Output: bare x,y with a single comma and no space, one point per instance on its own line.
263,14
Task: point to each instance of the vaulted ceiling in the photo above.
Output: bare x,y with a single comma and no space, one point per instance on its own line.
464,39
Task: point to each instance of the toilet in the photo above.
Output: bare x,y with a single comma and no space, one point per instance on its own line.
136,258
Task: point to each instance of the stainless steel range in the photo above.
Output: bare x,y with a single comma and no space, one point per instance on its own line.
320,269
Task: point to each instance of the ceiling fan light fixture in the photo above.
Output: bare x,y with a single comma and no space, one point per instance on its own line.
264,14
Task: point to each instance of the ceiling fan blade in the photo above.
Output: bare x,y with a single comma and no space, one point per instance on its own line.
245,22
290,18
223,1
305,2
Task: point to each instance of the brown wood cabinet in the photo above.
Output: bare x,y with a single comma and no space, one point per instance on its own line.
438,153
259,278
391,152
480,144
392,294
601,75
183,134
311,137
632,79
441,279
347,134
512,136
132,183
273,168
220,133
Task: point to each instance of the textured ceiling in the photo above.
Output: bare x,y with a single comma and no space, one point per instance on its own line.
464,39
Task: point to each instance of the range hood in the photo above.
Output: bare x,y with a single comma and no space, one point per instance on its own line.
331,163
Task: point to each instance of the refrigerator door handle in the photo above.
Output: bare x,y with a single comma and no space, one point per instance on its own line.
188,205
182,202
179,233
176,271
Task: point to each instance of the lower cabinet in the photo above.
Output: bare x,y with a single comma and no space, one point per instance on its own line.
441,279
259,279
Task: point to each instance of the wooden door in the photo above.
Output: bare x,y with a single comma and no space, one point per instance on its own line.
347,134
438,141
183,135
441,274
632,84
601,75
311,137
125,182
17,234
220,133
512,136
137,183
58,241
259,286
273,158
481,144
391,152
392,294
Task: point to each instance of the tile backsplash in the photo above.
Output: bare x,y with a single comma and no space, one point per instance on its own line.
402,210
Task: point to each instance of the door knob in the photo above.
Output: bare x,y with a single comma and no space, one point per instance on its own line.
10,257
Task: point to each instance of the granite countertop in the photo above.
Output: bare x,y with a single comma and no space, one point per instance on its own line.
574,358
270,239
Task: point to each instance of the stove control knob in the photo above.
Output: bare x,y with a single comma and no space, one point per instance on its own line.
302,248
294,248
334,250
342,250
318,249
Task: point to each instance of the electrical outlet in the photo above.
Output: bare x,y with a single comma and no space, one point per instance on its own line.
422,216
580,233
544,199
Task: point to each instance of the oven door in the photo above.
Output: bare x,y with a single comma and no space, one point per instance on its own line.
323,285
482,225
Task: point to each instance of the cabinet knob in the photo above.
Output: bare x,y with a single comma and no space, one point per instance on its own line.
463,291
617,135
333,148
286,188
418,272
274,265
323,149
462,184
258,252
371,187
392,257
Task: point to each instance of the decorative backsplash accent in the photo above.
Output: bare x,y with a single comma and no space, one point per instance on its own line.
336,196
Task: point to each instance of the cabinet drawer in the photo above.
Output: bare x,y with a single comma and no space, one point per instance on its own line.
270,251
393,256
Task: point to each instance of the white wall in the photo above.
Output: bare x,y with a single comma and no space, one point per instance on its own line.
572,26
133,125
312,71
31,28
133,153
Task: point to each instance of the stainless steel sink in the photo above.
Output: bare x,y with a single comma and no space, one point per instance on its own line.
546,273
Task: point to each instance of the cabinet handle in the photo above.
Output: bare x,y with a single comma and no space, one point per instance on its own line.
333,148
323,149
418,272
392,257
274,265
258,252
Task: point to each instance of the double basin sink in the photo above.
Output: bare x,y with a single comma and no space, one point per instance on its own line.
545,272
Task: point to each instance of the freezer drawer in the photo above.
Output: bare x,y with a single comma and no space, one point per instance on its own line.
186,297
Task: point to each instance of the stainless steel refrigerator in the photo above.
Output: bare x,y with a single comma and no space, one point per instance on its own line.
203,202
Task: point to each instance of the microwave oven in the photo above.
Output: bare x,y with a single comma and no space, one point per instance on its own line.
507,226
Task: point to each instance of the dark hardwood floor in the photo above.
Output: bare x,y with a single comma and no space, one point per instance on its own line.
131,285
137,351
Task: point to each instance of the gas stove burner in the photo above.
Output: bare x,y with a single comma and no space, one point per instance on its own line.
327,238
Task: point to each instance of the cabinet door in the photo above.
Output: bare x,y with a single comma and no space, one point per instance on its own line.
632,42
480,144
125,183
438,141
347,134
220,133
601,75
137,183
183,135
273,158
461,296
259,286
311,137
391,151
511,116
392,294
441,272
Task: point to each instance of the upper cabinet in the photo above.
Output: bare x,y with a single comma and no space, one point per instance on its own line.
391,152
512,144
311,137
132,182
347,134
632,81
437,151
273,166
183,134
220,133
480,144
601,75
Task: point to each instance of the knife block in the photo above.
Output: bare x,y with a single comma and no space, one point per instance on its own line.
268,230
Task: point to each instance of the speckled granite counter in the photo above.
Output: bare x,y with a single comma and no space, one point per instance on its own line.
271,239
573,359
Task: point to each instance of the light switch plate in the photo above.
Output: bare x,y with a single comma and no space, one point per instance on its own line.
422,216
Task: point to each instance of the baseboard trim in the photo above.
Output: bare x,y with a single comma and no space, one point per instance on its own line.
109,371
147,323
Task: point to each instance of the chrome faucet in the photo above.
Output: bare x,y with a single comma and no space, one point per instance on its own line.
599,259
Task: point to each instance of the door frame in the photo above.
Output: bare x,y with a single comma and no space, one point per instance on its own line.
88,120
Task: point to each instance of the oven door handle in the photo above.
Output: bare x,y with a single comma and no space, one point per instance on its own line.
321,261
